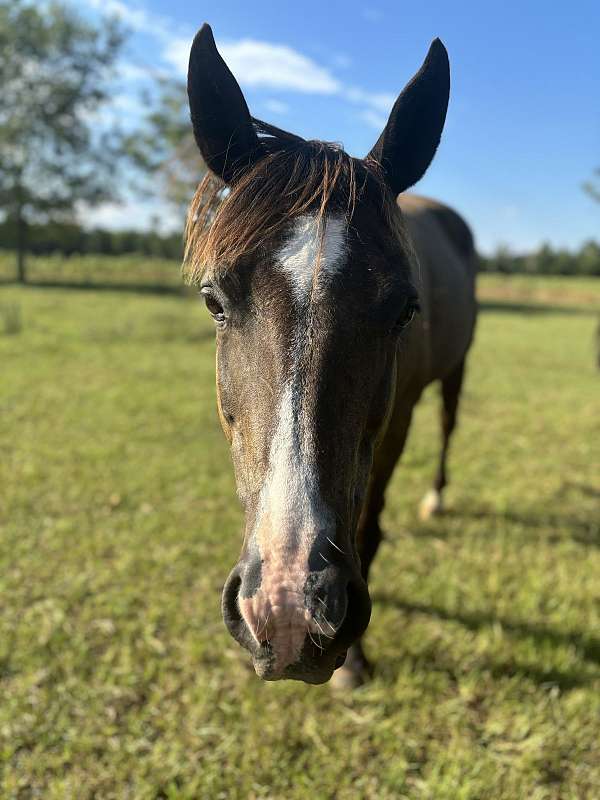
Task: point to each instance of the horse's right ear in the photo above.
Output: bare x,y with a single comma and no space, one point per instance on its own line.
409,140
220,118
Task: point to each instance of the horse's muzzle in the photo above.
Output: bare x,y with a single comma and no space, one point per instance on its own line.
299,634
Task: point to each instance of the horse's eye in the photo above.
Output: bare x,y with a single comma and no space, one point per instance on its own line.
214,307
410,310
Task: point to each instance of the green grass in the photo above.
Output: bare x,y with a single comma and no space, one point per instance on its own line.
130,270
119,524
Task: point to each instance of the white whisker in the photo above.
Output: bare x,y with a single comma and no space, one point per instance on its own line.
326,621
326,635
331,542
264,628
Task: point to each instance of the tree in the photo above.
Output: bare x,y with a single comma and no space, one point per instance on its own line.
592,187
54,151
165,146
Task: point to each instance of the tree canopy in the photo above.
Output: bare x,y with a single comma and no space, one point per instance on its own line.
165,146
55,150
592,187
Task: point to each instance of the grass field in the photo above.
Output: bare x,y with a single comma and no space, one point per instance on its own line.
119,524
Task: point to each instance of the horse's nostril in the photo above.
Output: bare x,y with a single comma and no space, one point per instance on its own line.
292,627
231,611
358,613
229,601
328,614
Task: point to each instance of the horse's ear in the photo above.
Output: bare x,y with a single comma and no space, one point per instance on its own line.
220,118
413,131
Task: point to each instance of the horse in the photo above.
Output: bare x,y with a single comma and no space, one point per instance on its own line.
335,305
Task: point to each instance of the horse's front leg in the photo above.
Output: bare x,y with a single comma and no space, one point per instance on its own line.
432,504
356,668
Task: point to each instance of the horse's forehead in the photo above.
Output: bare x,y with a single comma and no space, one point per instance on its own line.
313,252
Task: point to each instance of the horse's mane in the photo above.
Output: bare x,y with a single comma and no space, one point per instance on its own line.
293,177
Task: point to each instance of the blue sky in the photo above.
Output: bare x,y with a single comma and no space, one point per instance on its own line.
523,126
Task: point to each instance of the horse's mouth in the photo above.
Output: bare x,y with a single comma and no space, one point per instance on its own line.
308,671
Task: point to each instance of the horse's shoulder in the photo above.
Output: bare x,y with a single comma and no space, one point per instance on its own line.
417,209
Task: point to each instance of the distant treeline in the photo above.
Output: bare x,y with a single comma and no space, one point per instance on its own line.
545,261
71,239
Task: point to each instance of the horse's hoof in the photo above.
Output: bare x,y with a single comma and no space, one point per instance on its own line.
347,679
431,505
355,671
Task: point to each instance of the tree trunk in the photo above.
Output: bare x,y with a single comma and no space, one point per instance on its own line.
21,246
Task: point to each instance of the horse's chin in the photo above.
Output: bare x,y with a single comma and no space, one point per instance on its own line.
308,672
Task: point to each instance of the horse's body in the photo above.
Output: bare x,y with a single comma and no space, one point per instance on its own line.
435,349
314,276
436,345
445,278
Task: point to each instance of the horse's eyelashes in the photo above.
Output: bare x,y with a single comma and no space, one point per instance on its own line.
213,305
409,312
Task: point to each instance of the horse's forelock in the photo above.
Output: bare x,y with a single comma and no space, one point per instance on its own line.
294,177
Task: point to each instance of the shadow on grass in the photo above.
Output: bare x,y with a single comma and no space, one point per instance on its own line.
588,647
511,307
584,488
583,531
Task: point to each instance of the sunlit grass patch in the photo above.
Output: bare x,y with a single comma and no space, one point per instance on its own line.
119,524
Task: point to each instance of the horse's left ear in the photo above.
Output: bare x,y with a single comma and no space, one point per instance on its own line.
413,131
221,121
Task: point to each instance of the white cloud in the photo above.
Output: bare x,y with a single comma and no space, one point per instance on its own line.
262,64
378,105
379,101
274,66
132,72
255,63
122,109
177,54
136,17
276,106
279,66
373,118
128,103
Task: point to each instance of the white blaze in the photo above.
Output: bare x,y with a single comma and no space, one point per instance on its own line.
306,248
291,512
290,494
